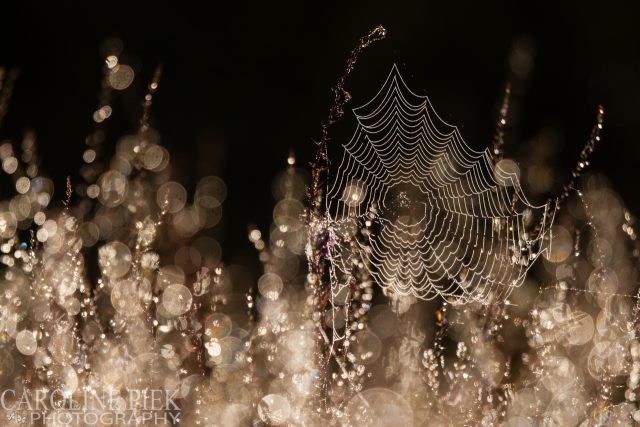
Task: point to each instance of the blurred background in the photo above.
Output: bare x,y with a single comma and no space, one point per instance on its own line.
244,84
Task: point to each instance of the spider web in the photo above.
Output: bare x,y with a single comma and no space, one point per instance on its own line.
448,221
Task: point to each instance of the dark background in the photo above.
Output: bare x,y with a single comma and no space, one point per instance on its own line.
245,83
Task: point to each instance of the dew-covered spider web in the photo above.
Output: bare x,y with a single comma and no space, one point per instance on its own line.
446,220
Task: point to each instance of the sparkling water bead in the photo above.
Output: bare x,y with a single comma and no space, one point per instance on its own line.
274,409
114,259
126,298
8,224
171,197
177,299
577,330
67,379
270,285
26,342
120,77
606,360
213,348
379,407
367,347
114,187
211,192
217,325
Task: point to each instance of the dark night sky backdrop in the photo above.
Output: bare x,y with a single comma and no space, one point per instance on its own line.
244,83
